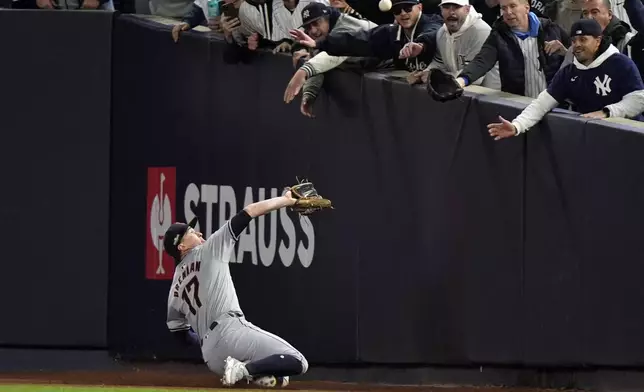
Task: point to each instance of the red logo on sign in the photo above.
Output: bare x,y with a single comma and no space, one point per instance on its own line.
161,202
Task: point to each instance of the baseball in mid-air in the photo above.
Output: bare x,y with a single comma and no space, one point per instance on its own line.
384,5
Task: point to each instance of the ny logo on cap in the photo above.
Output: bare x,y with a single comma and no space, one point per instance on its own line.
305,14
176,239
578,32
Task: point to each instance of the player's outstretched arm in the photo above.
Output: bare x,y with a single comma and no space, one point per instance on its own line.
221,243
265,206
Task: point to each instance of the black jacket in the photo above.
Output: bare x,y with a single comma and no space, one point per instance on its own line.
502,45
384,42
617,31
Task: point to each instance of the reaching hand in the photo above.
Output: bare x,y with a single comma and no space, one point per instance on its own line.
597,114
425,76
552,47
90,5
302,38
253,41
415,77
502,130
294,86
306,107
411,49
283,47
46,4
177,29
300,54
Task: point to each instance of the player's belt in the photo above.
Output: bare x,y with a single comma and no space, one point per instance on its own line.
229,314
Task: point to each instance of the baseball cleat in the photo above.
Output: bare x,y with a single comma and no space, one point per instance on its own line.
271,381
234,371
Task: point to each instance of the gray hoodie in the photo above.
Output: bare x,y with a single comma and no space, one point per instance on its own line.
455,51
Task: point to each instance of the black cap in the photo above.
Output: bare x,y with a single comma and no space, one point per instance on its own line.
396,2
314,11
586,27
174,235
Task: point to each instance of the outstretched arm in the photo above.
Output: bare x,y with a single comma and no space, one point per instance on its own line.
221,243
526,120
265,206
482,63
362,43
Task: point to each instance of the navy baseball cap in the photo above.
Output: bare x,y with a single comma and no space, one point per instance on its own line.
397,2
314,11
174,235
586,27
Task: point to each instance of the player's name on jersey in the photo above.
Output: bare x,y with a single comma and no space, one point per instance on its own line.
188,269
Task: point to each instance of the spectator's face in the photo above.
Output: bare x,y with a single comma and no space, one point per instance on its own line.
595,9
454,16
407,14
584,48
318,28
515,12
290,4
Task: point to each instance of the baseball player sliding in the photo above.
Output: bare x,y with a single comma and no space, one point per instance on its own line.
203,308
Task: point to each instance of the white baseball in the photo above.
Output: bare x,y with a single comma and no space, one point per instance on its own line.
384,5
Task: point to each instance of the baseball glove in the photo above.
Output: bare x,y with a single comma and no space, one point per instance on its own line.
442,86
307,198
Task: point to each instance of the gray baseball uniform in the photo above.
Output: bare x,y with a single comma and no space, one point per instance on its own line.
202,296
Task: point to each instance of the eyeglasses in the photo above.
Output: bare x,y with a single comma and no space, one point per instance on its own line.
398,9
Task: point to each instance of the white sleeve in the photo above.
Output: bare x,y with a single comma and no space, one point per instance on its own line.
321,63
220,245
534,112
250,19
630,106
366,24
283,21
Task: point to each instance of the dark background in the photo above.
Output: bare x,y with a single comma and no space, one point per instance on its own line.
54,165
445,247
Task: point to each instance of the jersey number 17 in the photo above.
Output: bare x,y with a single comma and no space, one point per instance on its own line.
192,287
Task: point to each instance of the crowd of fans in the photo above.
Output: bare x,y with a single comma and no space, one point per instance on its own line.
582,55
579,55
